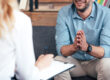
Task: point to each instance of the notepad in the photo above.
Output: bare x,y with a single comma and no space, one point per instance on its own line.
55,68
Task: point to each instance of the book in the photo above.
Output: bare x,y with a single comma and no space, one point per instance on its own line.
102,2
54,69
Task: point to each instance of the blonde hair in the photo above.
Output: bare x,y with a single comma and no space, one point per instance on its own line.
6,14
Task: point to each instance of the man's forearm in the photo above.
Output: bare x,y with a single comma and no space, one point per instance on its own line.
68,50
97,52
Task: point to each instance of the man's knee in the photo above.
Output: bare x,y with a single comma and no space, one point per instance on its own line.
103,68
68,59
63,76
104,63
60,58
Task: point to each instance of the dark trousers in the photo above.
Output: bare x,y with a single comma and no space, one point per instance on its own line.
18,1
31,5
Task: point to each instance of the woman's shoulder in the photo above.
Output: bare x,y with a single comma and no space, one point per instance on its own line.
20,15
21,20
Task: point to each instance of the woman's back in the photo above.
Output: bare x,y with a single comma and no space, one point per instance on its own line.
13,42
16,45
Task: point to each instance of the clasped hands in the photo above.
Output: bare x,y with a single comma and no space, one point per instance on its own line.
80,41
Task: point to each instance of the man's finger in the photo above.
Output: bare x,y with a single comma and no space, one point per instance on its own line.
80,33
79,40
78,36
78,45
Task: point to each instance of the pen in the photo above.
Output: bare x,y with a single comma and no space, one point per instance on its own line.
60,61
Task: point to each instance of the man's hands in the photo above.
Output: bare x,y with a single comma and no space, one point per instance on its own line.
44,61
81,44
80,41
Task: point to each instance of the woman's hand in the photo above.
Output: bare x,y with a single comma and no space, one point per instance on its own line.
44,61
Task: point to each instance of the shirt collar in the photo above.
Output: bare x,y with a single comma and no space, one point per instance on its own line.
75,15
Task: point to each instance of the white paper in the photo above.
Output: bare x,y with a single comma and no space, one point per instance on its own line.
55,68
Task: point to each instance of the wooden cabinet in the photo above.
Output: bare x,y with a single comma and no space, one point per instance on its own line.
46,14
43,18
48,1
52,5
54,1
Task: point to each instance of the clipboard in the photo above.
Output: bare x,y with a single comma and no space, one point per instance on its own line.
55,68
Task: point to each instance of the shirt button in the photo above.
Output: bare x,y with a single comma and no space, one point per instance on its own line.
85,55
84,22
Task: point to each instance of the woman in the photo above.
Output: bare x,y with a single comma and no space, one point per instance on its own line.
16,47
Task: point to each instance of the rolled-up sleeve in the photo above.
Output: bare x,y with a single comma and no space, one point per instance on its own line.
105,36
62,33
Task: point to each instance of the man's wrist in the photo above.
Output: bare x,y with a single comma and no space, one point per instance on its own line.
89,48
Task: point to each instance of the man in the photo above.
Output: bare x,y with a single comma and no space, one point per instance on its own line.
83,35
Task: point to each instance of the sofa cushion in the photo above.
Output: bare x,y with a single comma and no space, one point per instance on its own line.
44,40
